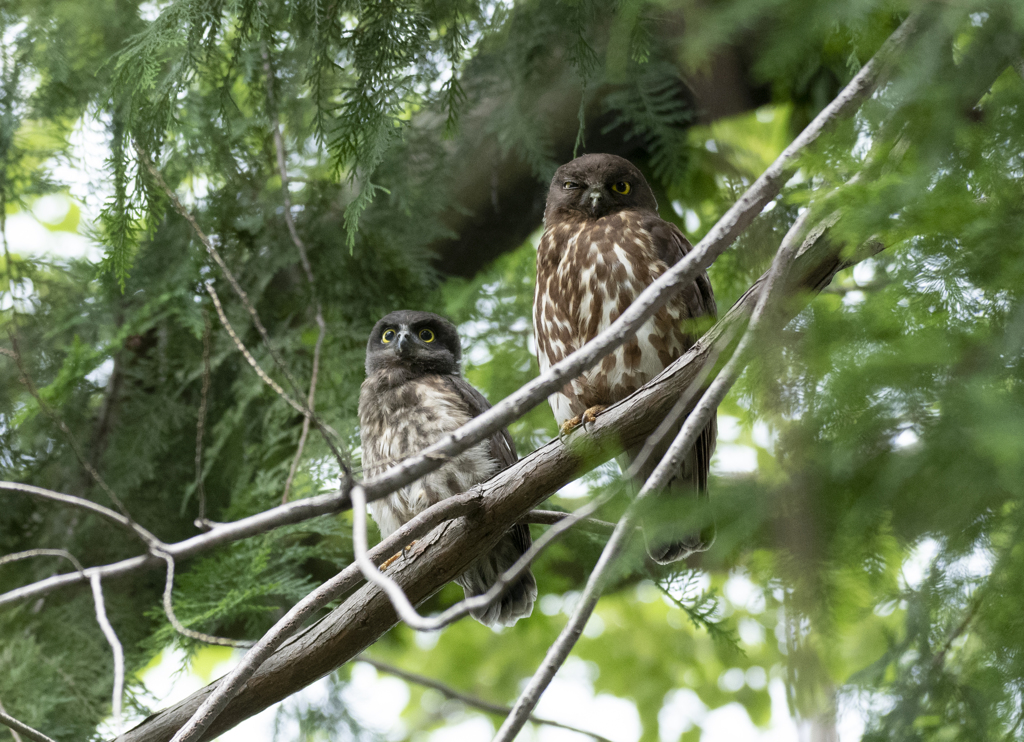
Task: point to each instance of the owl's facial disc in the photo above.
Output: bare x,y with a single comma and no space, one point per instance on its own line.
410,342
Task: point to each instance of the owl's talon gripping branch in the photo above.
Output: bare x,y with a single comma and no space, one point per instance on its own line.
391,559
569,425
589,416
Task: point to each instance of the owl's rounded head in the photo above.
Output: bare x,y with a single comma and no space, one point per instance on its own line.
593,186
420,342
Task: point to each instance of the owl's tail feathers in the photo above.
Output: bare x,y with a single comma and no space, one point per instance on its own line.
678,521
519,597
669,540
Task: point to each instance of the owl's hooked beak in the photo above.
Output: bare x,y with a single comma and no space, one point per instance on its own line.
594,196
404,346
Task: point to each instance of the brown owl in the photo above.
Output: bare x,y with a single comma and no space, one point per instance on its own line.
413,396
603,244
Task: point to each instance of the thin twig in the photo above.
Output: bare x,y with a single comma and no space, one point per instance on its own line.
218,259
14,732
551,517
695,422
64,553
201,521
960,628
148,538
558,651
310,402
178,625
52,414
473,701
244,297
18,726
304,259
247,355
405,609
220,535
115,646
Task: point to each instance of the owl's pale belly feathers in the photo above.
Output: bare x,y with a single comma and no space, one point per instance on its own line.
404,421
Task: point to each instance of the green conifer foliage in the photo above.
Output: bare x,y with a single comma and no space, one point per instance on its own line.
869,550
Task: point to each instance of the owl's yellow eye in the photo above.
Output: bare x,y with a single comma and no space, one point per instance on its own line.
570,184
388,336
426,335
622,188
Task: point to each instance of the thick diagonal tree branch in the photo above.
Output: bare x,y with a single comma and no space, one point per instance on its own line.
445,552
367,565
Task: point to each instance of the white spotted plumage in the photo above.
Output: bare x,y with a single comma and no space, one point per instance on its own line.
603,245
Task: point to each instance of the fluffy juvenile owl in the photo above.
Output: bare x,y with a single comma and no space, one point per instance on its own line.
414,395
603,244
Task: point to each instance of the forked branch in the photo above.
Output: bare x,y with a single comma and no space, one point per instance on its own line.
244,298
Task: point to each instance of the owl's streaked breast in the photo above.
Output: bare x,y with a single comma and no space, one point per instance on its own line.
589,272
399,422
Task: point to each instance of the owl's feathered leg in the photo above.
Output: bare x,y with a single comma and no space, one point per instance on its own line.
678,520
519,597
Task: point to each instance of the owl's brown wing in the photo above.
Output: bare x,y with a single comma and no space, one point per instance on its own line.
671,246
665,541
503,449
518,599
